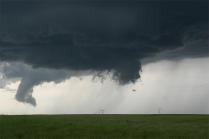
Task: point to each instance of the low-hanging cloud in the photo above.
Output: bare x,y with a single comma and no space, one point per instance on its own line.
97,37
30,77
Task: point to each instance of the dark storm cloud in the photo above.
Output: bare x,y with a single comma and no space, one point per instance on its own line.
107,36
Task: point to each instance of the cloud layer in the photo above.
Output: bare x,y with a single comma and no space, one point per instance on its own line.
98,37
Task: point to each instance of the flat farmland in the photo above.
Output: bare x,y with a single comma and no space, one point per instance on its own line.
104,126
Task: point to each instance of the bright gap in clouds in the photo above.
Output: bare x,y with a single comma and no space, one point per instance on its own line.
165,87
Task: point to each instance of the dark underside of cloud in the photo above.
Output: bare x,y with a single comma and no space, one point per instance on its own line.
106,36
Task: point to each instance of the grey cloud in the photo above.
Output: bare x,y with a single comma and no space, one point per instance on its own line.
195,45
30,77
98,36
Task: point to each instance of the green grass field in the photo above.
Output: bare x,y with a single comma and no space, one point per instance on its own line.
105,126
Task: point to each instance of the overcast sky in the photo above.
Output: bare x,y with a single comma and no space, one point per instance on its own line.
111,57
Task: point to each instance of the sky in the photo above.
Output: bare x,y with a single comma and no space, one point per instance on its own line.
68,57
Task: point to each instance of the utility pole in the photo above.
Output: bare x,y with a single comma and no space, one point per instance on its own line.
159,110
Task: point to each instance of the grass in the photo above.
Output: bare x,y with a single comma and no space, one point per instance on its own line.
105,126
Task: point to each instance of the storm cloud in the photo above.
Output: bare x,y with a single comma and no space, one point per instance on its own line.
99,36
